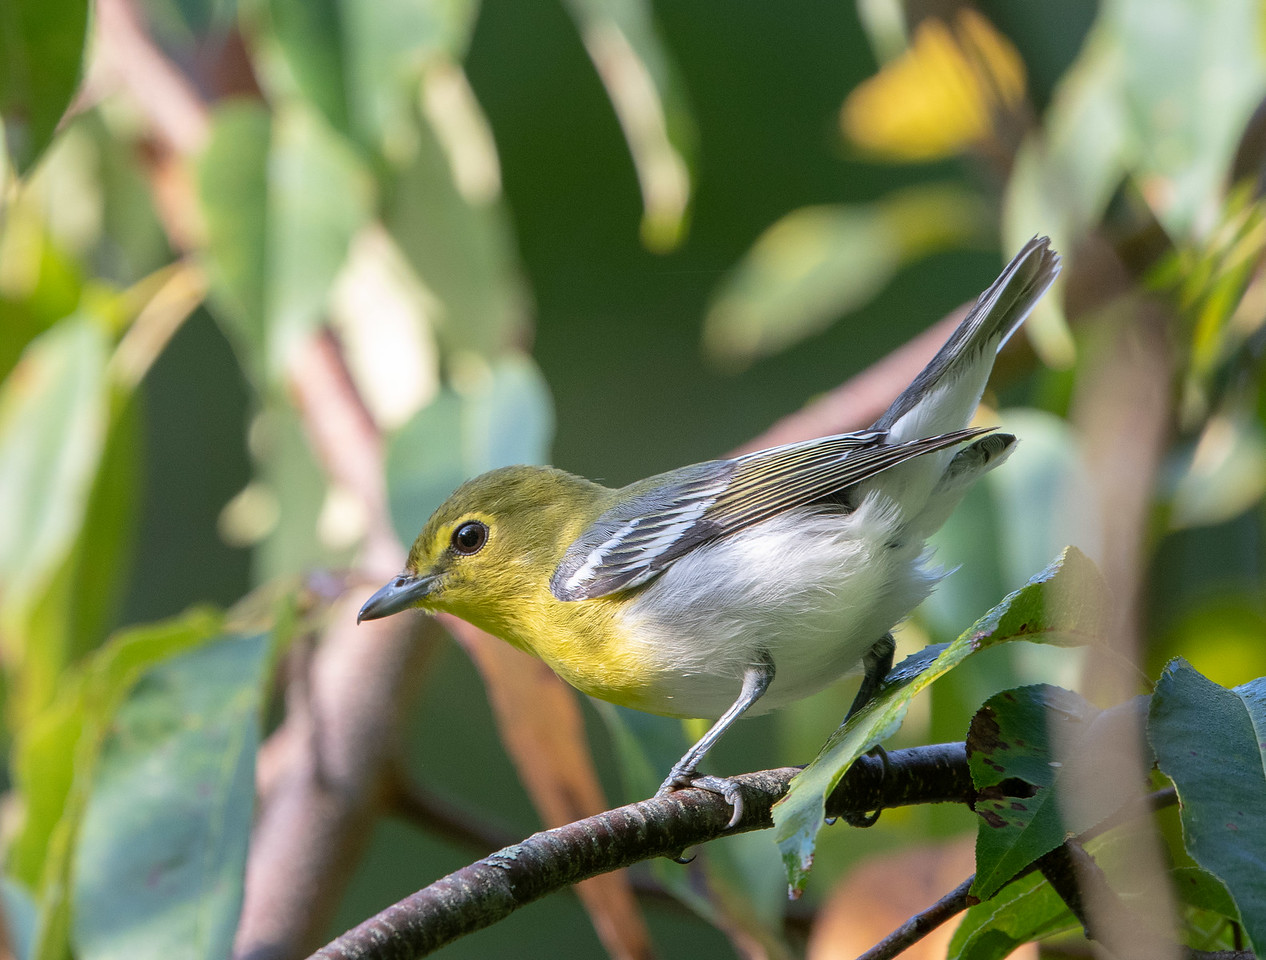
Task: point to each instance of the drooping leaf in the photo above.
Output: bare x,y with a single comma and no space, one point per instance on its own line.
75,610
162,845
293,488
233,192
41,49
1064,177
943,94
818,263
1211,742
53,426
319,197
386,48
309,36
282,198
1161,92
640,80
459,244
1063,605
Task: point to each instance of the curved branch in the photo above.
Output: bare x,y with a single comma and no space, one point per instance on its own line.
488,890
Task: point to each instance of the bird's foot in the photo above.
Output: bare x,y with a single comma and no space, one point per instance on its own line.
870,819
723,786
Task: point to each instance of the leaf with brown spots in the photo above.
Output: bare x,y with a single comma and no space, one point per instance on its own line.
1030,749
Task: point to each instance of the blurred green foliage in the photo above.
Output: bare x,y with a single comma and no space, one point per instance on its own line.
620,237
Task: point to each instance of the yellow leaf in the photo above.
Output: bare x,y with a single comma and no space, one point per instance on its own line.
946,93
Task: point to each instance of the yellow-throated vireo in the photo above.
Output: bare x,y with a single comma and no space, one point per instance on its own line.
730,586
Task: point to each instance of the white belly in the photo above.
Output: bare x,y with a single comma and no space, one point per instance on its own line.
815,589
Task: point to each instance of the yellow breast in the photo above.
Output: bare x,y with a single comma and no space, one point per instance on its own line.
580,640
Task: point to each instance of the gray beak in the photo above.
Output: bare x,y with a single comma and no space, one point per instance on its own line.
403,592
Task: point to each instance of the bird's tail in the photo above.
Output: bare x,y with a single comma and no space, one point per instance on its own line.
945,394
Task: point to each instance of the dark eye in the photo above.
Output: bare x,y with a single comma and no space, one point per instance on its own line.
470,537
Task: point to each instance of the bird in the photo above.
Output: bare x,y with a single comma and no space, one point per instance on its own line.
733,586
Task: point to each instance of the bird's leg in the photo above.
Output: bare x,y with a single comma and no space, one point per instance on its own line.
877,663
685,772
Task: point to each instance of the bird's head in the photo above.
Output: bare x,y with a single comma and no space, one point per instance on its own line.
488,551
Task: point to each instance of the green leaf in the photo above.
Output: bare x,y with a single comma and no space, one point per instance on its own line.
1199,888
232,178
282,200
1209,914
360,64
1043,760
89,585
460,247
1065,175
644,90
1225,475
1192,72
319,196
53,429
1062,605
309,34
41,49
1021,912
387,45
818,263
55,758
1011,752
1211,742
162,846
42,283
501,416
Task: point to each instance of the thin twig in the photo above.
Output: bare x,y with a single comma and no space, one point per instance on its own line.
922,923
956,901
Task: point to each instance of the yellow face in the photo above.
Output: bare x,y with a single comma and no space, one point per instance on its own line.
486,555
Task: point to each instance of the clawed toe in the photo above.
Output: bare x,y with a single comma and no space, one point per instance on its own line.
723,786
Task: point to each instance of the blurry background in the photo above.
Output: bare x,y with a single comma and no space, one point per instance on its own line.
618,237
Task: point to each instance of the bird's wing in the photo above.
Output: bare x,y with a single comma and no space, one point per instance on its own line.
663,518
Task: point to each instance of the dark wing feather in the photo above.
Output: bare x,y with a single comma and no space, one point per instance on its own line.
661,519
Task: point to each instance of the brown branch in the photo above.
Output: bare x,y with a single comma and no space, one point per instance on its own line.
441,817
922,923
490,889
